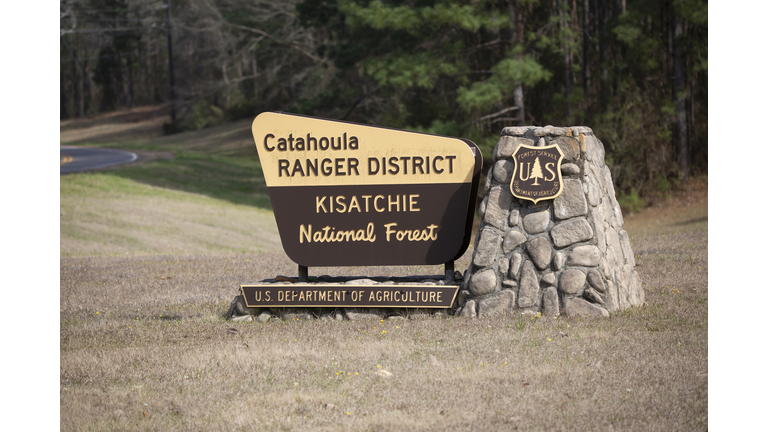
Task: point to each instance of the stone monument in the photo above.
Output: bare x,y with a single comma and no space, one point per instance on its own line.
565,255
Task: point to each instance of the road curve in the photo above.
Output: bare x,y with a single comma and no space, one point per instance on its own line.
76,159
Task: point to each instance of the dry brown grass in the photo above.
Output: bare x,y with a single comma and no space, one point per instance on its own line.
190,193
144,347
141,122
105,215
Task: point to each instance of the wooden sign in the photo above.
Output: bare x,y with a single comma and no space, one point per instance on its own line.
537,173
350,194
332,295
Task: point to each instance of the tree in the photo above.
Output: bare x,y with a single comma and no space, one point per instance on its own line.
536,172
446,67
678,91
634,71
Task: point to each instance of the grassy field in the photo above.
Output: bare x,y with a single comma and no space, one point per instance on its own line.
190,193
148,269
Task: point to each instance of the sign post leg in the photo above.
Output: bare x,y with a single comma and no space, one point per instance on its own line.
303,273
449,272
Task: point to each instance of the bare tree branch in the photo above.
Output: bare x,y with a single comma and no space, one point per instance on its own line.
274,39
496,114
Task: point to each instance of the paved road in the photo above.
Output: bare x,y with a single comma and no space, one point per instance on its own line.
74,159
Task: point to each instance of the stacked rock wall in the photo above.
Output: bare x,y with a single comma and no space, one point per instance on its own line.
568,255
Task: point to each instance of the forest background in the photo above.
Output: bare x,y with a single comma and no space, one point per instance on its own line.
634,71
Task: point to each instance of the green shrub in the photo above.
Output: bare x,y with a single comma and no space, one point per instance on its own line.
631,203
204,114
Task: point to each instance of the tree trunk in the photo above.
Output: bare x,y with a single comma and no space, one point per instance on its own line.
618,8
692,105
63,114
255,70
603,51
564,44
511,33
518,92
170,64
585,45
131,92
86,87
78,108
678,90
520,104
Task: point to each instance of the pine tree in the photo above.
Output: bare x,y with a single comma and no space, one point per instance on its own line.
536,172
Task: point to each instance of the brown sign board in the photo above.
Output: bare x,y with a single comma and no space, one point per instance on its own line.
346,194
537,172
331,295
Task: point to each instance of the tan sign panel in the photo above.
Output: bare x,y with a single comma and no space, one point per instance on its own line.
313,295
351,194
304,151
537,173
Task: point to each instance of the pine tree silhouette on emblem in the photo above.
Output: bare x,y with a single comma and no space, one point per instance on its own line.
536,172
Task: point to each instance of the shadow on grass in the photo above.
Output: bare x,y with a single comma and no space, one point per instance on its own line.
238,180
220,162
693,221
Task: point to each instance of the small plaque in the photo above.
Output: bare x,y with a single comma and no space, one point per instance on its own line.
331,295
537,173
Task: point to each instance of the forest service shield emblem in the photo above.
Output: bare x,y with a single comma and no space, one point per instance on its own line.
537,173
